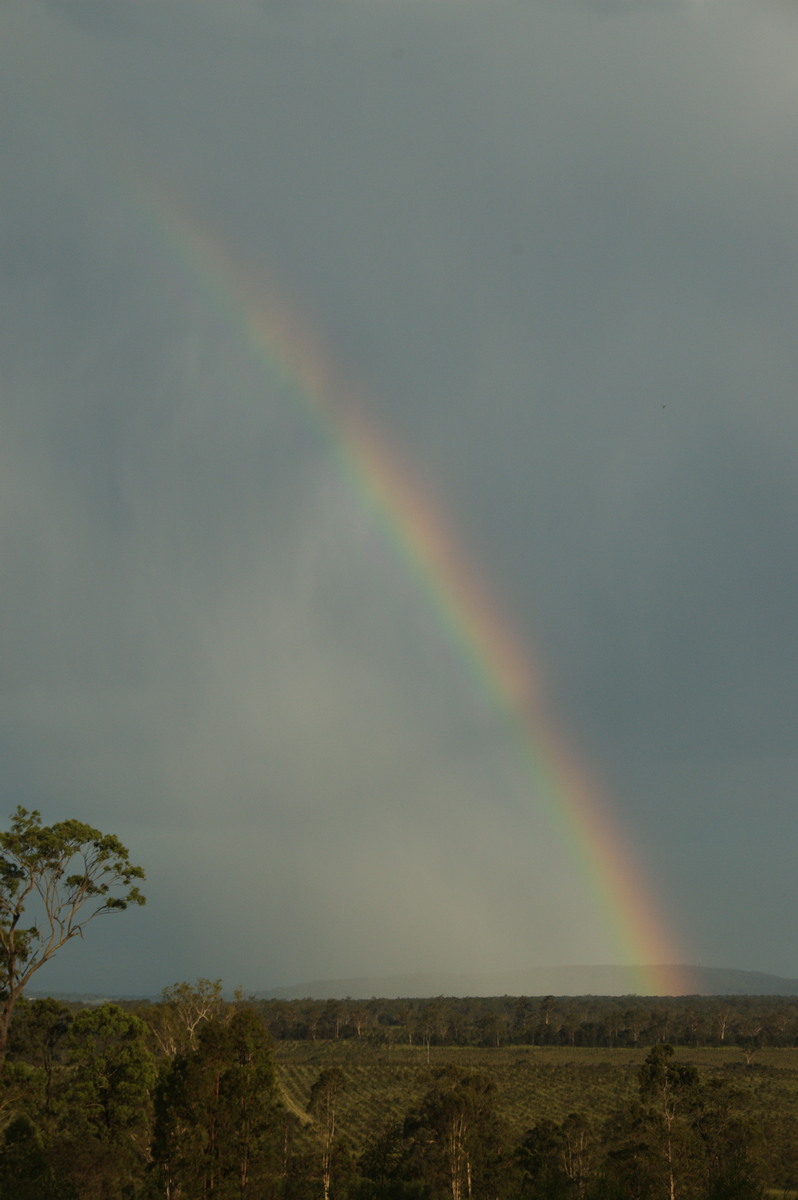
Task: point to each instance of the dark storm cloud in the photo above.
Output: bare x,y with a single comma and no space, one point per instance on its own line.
555,247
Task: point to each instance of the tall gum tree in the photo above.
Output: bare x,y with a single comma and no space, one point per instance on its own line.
54,880
323,1107
671,1089
217,1114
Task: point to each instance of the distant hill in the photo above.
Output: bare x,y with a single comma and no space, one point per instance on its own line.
538,981
88,999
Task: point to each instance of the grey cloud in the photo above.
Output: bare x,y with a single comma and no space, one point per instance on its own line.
554,251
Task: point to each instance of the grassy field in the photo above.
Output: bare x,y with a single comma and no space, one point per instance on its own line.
383,1083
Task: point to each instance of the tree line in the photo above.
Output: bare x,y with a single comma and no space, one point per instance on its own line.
750,1022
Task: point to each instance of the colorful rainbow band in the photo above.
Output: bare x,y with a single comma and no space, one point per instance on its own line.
289,349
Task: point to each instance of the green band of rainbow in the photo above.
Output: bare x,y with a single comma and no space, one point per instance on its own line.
290,350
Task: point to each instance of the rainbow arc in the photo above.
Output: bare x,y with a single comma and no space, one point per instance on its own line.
292,353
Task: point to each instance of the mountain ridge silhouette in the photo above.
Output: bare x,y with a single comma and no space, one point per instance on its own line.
538,981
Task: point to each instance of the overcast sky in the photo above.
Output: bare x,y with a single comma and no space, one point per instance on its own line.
552,245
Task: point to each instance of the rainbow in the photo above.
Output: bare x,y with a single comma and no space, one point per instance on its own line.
469,613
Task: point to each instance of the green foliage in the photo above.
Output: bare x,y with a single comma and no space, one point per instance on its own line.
216,1113
39,1029
26,1169
751,1022
616,1140
384,1083
665,1084
38,1038
83,1117
453,1136
323,1107
734,1137
109,1086
100,1130
60,877
557,1161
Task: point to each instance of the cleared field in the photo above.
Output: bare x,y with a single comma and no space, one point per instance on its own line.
384,1083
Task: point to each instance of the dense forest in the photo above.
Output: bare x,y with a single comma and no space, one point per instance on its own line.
196,1097
746,1021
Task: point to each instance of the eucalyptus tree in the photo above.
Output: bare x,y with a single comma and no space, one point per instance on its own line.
38,1038
112,1074
218,1120
323,1107
175,1021
456,1135
558,1161
105,1114
54,880
672,1093
26,1169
